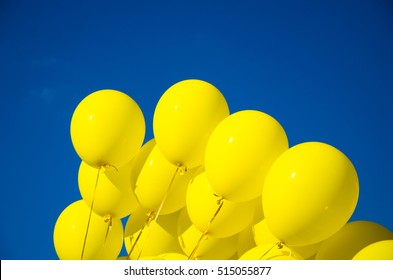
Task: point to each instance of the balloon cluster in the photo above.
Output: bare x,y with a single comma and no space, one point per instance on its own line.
209,185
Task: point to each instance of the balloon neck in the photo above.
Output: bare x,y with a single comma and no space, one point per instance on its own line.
107,167
150,217
219,198
107,219
182,169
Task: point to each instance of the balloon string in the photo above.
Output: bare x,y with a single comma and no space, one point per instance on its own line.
220,202
147,223
278,244
107,219
164,198
91,211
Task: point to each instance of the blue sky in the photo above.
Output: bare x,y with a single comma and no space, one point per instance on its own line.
323,69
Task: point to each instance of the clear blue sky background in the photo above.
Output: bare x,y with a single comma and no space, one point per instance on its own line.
323,69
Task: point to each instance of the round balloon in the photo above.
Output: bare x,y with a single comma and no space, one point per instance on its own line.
270,252
240,152
139,161
162,183
156,238
167,256
310,192
107,128
112,195
104,237
204,210
245,241
262,235
184,118
209,248
350,239
381,250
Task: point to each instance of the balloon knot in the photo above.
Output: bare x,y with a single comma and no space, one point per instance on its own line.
107,167
107,218
181,168
280,245
150,217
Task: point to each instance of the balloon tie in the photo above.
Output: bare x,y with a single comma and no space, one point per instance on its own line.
108,166
108,219
149,219
220,203
181,170
91,210
279,245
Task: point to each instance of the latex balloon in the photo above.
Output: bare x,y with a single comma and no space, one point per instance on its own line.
139,161
162,183
245,241
310,192
209,248
350,239
270,252
104,237
202,205
262,235
113,194
381,250
155,239
184,118
166,256
240,152
107,128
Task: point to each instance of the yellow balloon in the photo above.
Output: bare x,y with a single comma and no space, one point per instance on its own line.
113,194
240,152
184,118
262,235
139,161
172,256
104,237
381,250
202,205
270,252
209,248
154,239
350,239
107,128
160,182
167,256
310,192
245,241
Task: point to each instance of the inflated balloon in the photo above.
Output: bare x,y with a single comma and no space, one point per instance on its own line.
240,152
184,118
112,192
209,248
155,238
107,128
245,241
104,237
270,252
161,185
262,235
167,256
139,161
206,213
350,239
381,250
310,192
